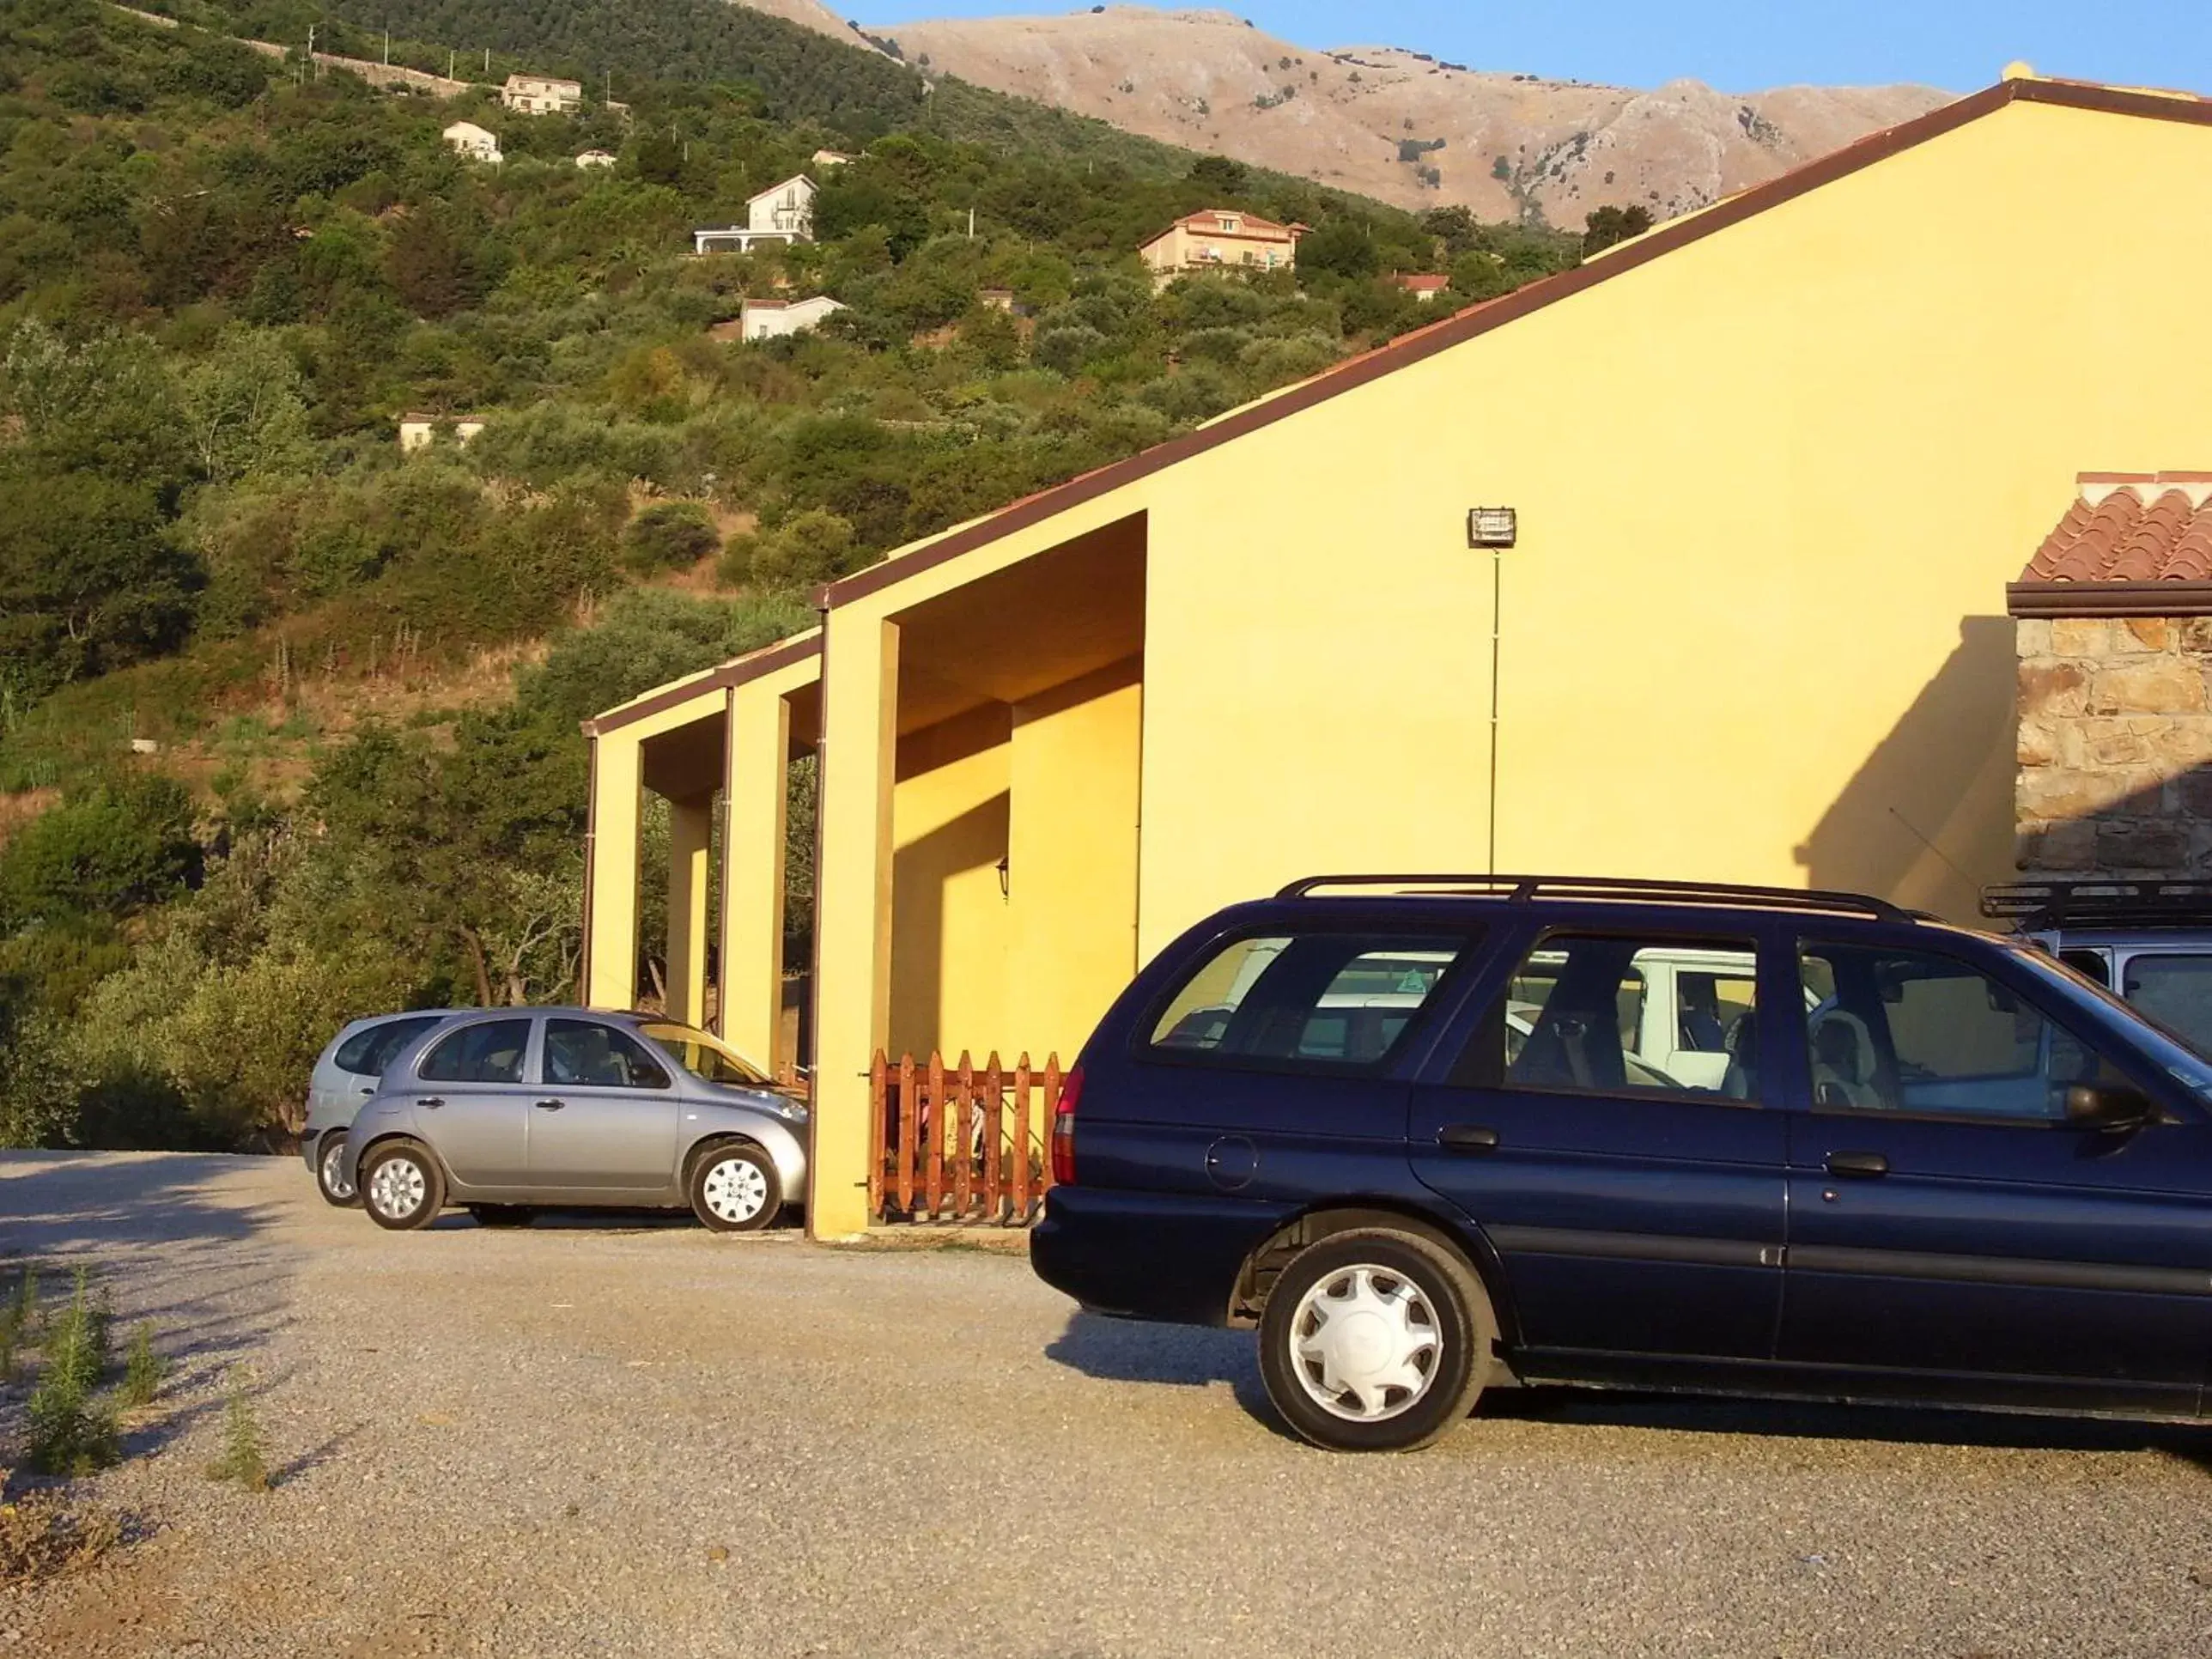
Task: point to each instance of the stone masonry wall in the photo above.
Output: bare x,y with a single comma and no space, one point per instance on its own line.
2115,748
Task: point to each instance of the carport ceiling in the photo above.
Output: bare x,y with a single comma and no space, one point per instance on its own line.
1026,629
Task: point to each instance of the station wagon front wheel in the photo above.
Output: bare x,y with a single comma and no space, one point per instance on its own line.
1374,1340
330,1172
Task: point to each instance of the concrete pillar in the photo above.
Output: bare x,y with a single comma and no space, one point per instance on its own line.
690,832
611,873
753,873
852,911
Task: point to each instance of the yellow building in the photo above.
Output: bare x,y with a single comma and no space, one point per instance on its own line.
1772,466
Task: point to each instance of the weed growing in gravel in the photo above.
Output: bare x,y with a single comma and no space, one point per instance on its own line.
41,1537
77,1343
22,1315
71,1433
143,1368
244,1458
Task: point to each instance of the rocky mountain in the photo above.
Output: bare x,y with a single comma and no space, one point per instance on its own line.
1396,123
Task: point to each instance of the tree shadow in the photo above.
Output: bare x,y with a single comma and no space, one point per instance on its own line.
56,1204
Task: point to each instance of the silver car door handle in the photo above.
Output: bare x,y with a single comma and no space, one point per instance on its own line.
430,1102
550,1105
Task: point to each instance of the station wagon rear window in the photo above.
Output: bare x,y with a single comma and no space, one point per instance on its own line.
1330,1001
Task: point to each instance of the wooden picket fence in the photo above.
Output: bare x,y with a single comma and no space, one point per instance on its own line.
960,1143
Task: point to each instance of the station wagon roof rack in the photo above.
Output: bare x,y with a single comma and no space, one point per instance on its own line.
1521,889
2102,901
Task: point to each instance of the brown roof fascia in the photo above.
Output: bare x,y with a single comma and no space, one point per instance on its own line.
1456,330
766,660
2152,599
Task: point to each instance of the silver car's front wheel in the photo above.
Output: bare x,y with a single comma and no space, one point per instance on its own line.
401,1185
330,1172
734,1189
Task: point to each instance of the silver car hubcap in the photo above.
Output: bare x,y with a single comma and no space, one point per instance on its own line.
1364,1344
334,1181
735,1189
397,1187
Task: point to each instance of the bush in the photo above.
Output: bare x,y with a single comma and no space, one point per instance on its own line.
810,548
669,536
120,846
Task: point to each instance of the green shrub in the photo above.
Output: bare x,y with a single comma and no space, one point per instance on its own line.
669,536
244,1457
121,845
142,1369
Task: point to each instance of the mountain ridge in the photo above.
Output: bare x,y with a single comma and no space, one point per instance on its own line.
1397,123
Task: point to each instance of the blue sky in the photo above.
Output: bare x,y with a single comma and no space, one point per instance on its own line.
1739,48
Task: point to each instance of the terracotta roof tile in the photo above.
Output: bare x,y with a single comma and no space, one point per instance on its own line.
2130,527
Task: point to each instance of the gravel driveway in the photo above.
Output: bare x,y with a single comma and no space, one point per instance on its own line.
610,1436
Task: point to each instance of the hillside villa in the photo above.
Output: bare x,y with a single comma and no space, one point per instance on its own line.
766,319
781,214
1755,485
467,138
1219,239
541,95
595,158
1425,288
420,431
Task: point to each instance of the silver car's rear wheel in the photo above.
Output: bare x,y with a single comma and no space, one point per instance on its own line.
734,1189
330,1172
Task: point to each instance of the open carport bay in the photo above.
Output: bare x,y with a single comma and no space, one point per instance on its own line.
615,1436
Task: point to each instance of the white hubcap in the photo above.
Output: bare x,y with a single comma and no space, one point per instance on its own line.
398,1187
334,1181
735,1189
1364,1344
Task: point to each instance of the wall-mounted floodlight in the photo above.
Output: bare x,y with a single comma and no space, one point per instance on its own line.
1493,526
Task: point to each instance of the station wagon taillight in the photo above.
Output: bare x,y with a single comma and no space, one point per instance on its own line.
1063,1129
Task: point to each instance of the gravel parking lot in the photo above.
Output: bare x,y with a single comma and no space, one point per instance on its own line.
617,1437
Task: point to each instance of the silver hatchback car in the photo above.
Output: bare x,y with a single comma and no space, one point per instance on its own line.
512,1110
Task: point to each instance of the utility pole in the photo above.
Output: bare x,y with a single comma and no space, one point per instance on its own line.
487,63
971,224
311,51
388,48
449,64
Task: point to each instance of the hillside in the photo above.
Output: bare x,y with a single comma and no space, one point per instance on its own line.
1397,124
288,718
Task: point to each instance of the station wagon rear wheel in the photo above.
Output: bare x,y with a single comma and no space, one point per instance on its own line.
1374,1340
401,1185
329,1173
734,1189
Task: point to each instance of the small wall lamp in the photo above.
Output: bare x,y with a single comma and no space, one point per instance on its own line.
1004,887
1493,526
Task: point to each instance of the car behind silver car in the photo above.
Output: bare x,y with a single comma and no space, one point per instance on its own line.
345,1075
509,1110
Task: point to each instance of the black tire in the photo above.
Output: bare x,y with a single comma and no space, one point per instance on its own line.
734,1170
327,1182
502,1215
1446,1301
407,1165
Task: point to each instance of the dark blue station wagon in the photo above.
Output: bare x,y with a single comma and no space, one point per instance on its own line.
1430,1134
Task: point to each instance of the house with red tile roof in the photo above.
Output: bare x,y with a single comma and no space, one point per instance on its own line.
1221,239
1425,287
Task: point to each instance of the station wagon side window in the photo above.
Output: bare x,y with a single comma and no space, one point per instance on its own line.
1576,1018
490,1052
586,1055
1919,1032
366,1054
1322,1001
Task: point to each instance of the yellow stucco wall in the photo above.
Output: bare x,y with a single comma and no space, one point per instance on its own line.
1771,488
1072,865
950,927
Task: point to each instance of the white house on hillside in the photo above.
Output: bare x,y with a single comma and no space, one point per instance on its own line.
467,138
783,213
541,95
765,319
595,158
420,431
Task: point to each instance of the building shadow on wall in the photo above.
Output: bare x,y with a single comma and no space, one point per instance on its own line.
1926,820
921,871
